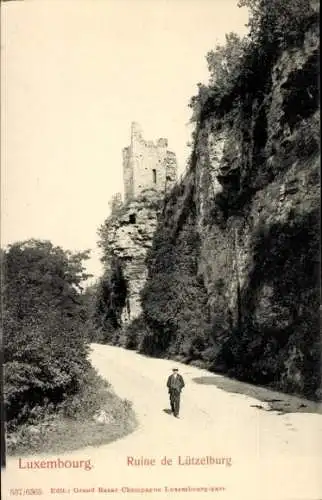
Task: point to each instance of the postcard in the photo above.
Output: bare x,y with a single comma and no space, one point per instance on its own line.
160,250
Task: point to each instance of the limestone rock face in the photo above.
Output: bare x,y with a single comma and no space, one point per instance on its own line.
279,192
228,265
129,235
257,218
253,192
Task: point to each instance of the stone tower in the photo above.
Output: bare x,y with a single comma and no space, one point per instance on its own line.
147,165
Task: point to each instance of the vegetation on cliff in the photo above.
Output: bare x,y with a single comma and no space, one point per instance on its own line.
109,301
244,65
124,239
175,302
233,271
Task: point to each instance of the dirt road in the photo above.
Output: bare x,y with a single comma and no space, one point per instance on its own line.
272,457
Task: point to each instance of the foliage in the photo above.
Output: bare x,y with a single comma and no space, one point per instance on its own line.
278,22
110,299
263,141
74,425
240,64
174,299
226,61
134,332
43,313
92,332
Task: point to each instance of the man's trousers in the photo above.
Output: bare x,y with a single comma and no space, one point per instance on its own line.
175,401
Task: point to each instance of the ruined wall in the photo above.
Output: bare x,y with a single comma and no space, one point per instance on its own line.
147,165
149,171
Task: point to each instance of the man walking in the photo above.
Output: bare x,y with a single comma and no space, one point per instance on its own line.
175,385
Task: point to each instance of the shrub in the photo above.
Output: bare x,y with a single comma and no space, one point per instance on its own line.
110,300
45,355
90,398
278,22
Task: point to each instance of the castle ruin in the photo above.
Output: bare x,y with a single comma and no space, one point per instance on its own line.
151,169
147,165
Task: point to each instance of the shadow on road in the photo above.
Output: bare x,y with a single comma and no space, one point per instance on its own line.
277,401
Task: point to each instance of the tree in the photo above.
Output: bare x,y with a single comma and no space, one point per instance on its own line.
225,62
277,22
39,276
225,65
43,314
111,296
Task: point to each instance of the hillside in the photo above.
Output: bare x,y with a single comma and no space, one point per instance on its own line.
233,269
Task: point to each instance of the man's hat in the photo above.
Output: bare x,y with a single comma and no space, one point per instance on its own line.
175,369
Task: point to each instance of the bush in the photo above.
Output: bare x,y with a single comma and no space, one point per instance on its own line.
242,64
110,300
135,332
278,22
174,299
75,423
45,348
93,394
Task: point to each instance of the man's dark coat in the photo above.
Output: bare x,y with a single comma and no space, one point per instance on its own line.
175,382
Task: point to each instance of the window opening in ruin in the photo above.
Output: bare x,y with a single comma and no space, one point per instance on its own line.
132,218
154,175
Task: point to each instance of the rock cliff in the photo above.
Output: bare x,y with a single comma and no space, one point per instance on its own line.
127,236
228,263
233,272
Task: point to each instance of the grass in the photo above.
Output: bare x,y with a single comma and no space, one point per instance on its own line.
275,401
59,432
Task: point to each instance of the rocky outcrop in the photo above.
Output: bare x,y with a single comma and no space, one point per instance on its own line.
251,199
223,272
128,235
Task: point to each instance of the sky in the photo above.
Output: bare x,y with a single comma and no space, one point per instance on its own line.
75,74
